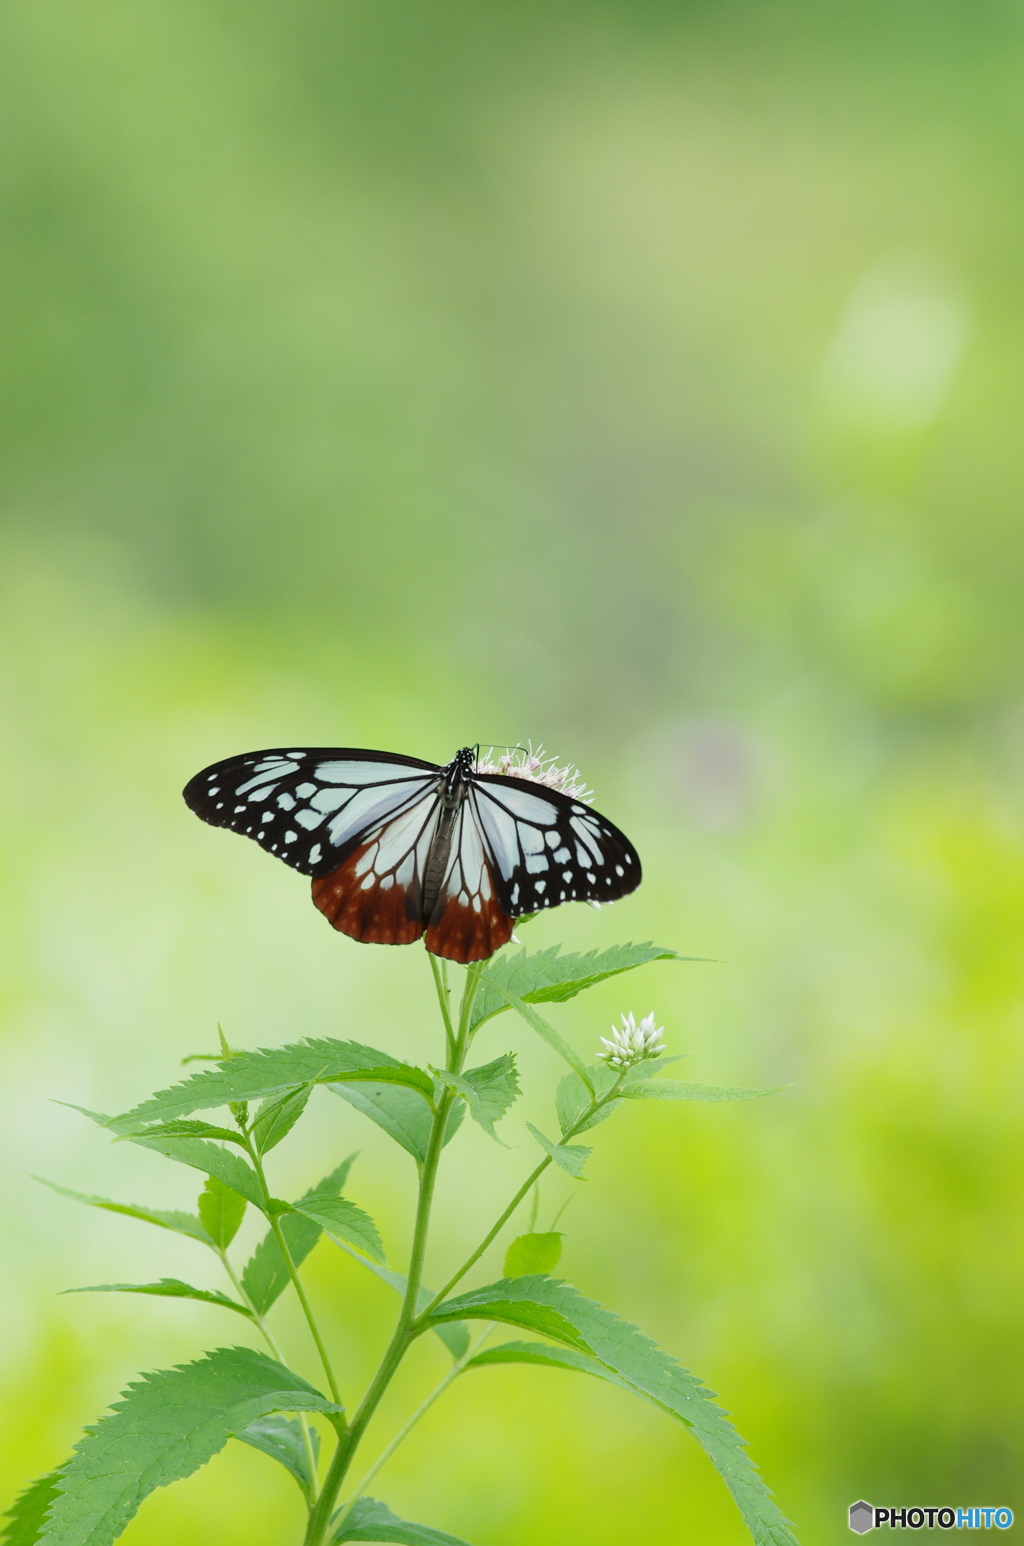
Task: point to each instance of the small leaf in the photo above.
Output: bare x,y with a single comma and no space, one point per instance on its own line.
453,1334
344,1221
256,1075
547,1357
571,1157
202,1155
167,1426
573,1097
368,1520
676,1089
27,1514
282,1438
488,1091
528,1254
180,1130
400,1112
276,1118
265,1276
555,1309
169,1288
222,1210
545,976
180,1223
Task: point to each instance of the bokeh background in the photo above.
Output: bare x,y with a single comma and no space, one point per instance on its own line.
642,378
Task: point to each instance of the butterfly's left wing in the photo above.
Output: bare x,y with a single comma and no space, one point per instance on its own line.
520,847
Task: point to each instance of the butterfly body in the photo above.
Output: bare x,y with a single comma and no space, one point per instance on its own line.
398,848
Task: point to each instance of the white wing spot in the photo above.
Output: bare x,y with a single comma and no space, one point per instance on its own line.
290,837
285,801
539,885
212,792
535,863
591,878
305,790
562,856
567,875
618,869
314,854
308,819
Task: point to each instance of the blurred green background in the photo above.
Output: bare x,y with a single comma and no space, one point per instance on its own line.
645,378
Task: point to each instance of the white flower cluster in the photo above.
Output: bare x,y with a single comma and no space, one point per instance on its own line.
633,1043
537,768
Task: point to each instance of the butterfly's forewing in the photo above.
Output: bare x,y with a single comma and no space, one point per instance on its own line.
549,848
312,808
468,922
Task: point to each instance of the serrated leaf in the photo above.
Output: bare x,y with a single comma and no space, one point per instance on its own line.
400,1112
27,1514
453,1334
167,1426
488,1091
180,1223
265,1276
677,1089
221,1210
272,1071
203,1155
570,1157
343,1221
167,1288
546,1357
276,1118
545,976
556,1310
532,1253
282,1438
368,1520
189,1129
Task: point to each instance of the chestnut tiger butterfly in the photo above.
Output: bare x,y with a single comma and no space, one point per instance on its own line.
398,848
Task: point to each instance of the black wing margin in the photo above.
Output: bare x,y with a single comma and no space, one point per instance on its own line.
308,807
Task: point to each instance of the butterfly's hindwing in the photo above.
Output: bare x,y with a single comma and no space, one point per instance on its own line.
310,808
468,921
549,849
376,893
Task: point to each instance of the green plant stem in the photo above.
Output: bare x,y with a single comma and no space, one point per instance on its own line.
421,1411
439,970
405,1330
503,1218
271,1341
286,1256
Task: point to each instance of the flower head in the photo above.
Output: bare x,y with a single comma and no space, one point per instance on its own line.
537,768
633,1043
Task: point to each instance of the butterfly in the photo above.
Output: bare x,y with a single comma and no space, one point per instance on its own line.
398,848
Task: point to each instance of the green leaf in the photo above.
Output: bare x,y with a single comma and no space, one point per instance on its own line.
544,976
343,1221
400,1112
677,1089
202,1155
276,1118
533,1253
453,1334
272,1071
221,1210
179,1130
27,1514
282,1438
488,1091
169,1288
368,1520
265,1276
547,1357
180,1223
556,1310
573,1097
167,1426
571,1157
